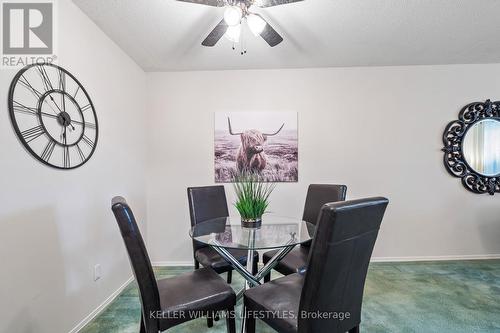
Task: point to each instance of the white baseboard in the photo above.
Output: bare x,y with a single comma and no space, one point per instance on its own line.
374,259
172,263
436,258
101,307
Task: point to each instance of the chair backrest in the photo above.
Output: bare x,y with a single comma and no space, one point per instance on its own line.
139,260
206,203
338,263
317,196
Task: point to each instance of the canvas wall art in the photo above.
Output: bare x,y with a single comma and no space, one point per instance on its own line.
264,143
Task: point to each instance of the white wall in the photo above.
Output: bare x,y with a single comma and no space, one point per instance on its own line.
378,130
55,225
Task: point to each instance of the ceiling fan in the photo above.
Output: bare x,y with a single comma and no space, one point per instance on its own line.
235,13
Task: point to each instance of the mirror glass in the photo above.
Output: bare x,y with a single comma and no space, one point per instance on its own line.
481,147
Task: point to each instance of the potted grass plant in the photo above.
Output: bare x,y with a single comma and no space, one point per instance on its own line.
252,198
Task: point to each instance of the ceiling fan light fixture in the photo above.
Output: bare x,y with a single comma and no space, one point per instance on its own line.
256,24
233,15
233,33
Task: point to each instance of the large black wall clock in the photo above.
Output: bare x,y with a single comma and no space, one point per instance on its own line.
53,116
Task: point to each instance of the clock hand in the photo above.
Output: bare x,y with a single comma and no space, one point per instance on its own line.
55,117
38,94
57,106
64,101
48,115
45,101
90,125
64,109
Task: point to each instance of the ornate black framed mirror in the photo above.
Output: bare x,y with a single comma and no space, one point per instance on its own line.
472,147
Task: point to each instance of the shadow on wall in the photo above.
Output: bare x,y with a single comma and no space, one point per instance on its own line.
31,272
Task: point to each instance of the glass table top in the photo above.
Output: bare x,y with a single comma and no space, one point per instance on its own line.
275,232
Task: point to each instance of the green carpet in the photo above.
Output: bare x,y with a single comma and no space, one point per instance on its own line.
423,297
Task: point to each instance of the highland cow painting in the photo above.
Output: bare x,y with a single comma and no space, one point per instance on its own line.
262,143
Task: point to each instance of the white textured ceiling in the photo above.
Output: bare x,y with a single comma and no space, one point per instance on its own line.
165,35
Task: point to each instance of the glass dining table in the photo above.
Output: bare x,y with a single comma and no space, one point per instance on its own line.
276,232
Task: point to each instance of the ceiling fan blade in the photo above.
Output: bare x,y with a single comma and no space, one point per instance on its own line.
270,35
272,3
216,34
213,3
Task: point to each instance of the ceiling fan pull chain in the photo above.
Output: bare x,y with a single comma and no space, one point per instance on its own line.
243,48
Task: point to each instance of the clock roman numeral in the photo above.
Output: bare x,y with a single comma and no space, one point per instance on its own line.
76,92
48,150
66,157
62,80
62,86
90,125
28,85
18,107
32,133
45,78
86,107
88,141
80,153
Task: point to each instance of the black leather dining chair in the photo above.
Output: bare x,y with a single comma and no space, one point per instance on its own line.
334,282
205,203
317,196
168,302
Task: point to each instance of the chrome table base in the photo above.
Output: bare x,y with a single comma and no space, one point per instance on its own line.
246,272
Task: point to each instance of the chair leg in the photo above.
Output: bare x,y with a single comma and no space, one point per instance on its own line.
267,277
250,322
210,321
216,316
142,327
231,321
354,330
229,276
255,267
196,264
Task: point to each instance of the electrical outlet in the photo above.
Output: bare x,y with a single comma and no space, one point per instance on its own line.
97,272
